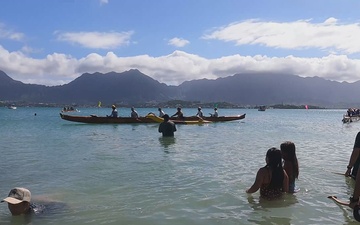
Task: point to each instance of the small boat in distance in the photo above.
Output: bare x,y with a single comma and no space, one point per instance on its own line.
12,107
69,109
352,115
262,108
350,119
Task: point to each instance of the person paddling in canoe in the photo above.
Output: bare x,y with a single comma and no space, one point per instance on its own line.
134,114
161,112
179,114
199,113
114,112
215,114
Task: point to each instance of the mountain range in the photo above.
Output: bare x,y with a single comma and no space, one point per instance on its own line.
133,87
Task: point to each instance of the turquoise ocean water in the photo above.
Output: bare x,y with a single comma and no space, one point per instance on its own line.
128,174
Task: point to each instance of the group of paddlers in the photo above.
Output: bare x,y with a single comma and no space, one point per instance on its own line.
353,112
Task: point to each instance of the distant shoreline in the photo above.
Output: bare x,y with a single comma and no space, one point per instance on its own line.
171,104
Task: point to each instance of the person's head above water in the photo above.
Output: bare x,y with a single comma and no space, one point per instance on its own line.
166,117
18,201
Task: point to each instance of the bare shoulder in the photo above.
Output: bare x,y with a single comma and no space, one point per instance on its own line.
262,171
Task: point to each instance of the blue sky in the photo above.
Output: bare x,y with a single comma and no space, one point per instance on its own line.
53,42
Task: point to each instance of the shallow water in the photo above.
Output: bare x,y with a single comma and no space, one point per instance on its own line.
129,174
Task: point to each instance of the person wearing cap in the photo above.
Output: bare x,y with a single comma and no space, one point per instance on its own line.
114,112
167,128
134,114
199,113
19,201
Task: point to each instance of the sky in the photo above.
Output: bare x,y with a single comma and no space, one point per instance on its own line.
55,41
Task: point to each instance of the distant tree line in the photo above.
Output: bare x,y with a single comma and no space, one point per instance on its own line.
168,104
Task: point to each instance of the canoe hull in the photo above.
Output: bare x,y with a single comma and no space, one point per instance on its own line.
148,119
105,120
350,119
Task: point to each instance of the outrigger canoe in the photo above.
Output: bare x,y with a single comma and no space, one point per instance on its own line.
214,119
350,119
177,121
103,120
125,120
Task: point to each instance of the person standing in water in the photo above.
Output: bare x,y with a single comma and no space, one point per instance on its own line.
271,179
291,165
354,160
167,128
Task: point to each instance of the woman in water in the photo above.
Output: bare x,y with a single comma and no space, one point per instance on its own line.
271,179
291,165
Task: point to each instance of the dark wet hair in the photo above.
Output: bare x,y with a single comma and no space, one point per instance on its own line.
289,154
166,117
275,164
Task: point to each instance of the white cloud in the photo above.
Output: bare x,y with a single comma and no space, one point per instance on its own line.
53,70
302,34
103,2
96,40
29,50
178,42
6,33
172,69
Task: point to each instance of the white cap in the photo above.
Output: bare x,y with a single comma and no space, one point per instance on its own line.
18,195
